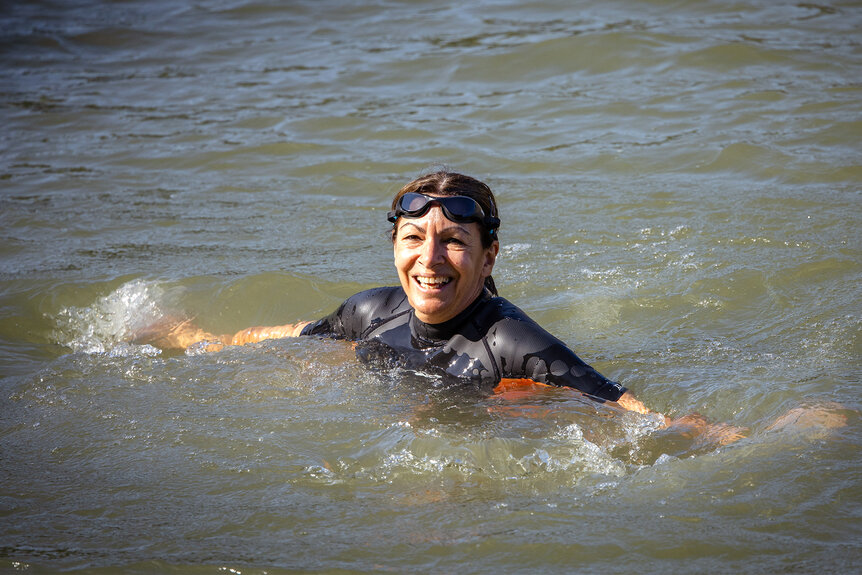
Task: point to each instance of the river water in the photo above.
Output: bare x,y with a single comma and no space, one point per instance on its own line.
681,195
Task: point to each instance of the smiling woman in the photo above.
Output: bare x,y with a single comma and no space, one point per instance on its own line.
446,317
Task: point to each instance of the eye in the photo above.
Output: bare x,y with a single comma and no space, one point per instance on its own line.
411,238
458,243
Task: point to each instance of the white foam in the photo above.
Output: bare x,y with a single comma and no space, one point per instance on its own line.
107,326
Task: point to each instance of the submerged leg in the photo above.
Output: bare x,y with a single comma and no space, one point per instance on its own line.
822,416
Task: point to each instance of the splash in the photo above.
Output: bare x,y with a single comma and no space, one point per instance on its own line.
115,320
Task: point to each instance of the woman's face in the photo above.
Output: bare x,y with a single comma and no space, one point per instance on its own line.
441,264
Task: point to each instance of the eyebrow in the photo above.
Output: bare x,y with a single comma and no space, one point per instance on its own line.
421,229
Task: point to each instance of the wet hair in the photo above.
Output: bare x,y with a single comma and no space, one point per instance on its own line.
446,183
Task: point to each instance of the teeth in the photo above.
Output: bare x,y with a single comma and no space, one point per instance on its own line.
435,281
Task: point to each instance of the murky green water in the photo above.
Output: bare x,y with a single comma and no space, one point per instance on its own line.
681,194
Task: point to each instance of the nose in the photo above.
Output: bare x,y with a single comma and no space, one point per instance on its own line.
432,251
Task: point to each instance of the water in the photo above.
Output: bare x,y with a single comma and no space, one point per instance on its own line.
680,194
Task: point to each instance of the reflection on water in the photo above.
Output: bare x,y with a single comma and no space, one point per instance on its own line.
680,201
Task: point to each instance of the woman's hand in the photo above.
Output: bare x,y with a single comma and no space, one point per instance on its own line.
696,426
691,426
174,334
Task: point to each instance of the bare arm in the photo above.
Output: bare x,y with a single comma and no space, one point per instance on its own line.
186,334
260,333
628,401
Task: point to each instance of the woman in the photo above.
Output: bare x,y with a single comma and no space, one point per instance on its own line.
446,316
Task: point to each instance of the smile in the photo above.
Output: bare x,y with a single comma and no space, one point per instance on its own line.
432,282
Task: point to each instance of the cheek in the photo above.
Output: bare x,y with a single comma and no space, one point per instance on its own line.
403,258
467,263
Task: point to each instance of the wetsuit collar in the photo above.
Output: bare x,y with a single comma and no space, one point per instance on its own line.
439,332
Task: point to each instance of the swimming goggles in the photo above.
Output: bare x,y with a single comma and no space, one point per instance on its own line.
456,208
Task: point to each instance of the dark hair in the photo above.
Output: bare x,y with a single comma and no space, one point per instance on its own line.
446,183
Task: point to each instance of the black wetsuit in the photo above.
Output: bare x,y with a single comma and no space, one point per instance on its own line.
490,340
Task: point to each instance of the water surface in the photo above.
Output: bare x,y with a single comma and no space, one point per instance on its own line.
680,188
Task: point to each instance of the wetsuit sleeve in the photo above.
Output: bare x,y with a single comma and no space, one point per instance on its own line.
330,325
528,351
357,314
559,365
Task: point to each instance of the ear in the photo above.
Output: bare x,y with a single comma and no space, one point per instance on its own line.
490,258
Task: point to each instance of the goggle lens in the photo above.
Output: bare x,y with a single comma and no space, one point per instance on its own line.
411,203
